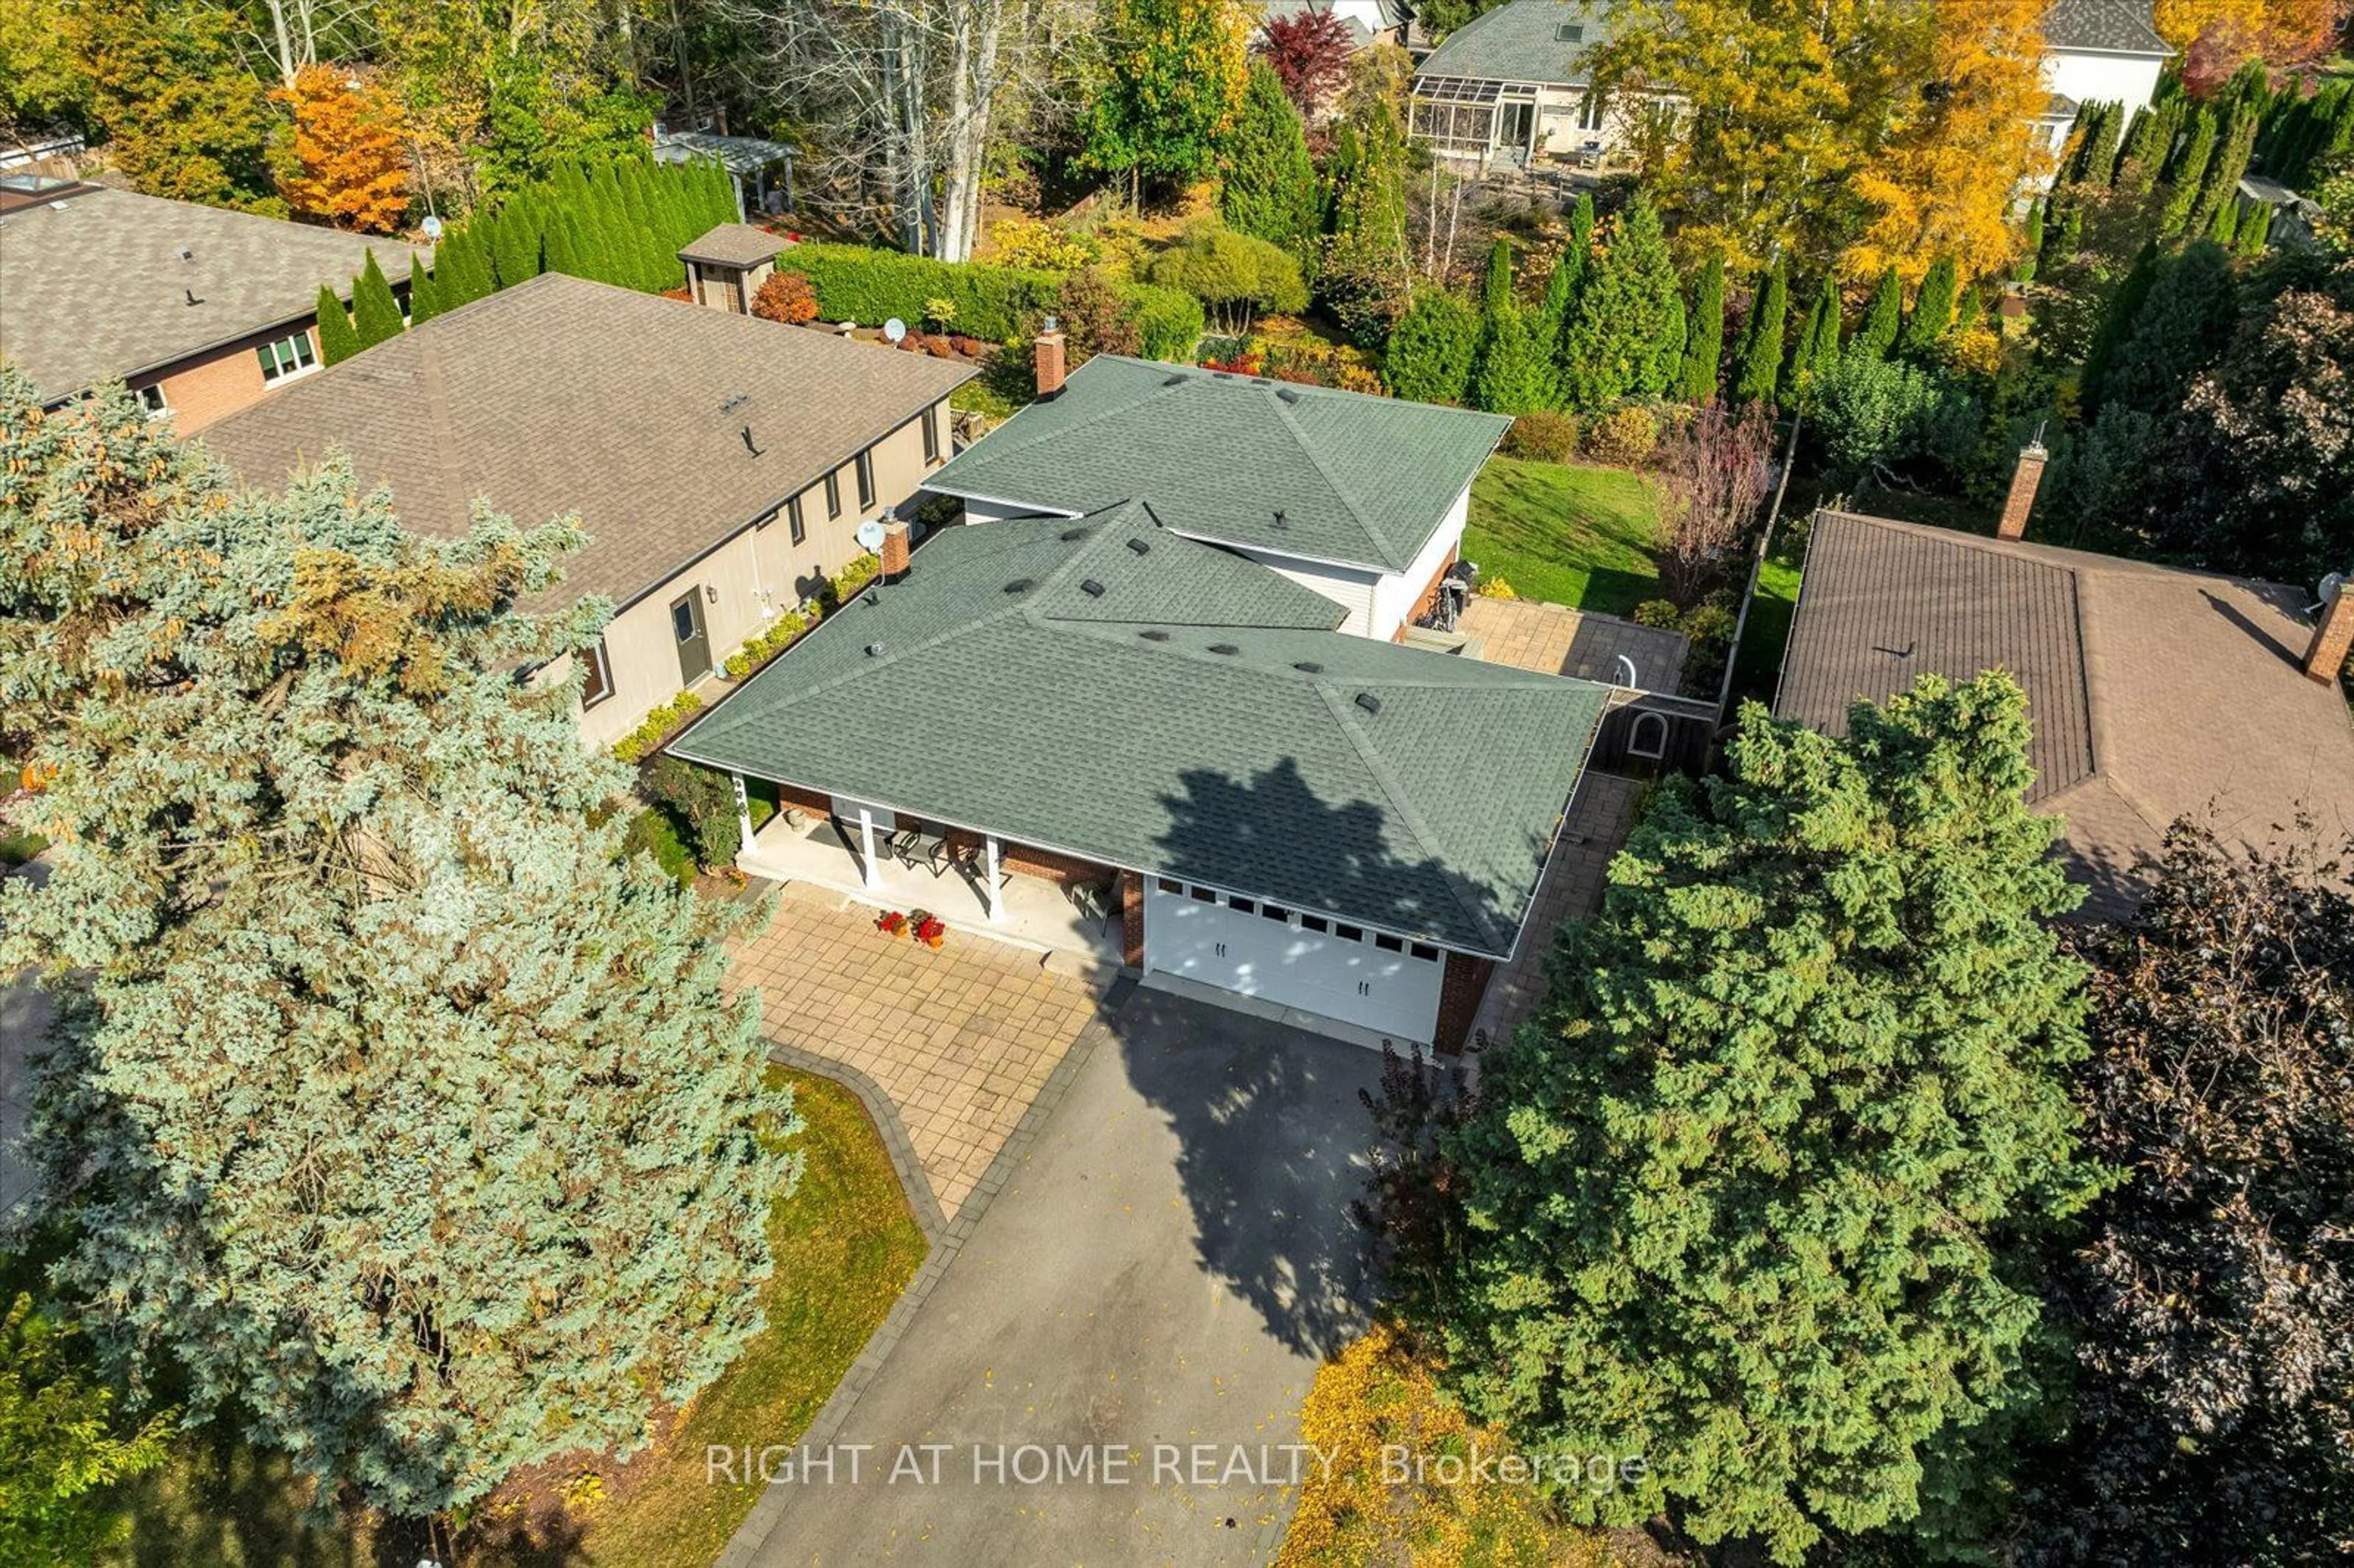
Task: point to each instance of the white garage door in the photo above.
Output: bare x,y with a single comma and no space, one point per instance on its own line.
1374,980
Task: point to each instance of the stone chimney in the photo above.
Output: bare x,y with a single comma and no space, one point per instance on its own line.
2333,636
895,549
1050,360
2021,500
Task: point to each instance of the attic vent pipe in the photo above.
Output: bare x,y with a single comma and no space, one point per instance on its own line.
874,649
1370,702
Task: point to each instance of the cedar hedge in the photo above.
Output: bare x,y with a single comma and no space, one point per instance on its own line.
858,283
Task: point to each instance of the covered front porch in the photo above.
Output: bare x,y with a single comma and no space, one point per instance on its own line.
972,882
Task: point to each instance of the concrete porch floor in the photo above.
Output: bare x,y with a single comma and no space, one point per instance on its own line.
1038,915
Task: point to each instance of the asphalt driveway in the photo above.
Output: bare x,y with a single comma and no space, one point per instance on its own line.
1107,1369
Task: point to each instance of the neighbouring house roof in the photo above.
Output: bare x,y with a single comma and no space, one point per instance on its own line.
1306,472
94,285
1523,41
735,245
561,395
1387,13
2104,27
1197,718
2155,692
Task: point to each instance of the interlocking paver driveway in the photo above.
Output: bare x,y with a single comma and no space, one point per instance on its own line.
962,1039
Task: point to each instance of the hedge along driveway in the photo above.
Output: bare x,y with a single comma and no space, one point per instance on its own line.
858,283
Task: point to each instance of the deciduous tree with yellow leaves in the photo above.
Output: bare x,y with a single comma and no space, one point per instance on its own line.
350,167
1943,183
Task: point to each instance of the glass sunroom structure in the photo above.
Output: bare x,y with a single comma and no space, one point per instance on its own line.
1470,117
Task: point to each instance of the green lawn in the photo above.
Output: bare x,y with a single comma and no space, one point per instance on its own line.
845,1246
1565,533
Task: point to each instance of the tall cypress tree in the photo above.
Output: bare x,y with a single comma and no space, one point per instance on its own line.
1704,347
1932,308
1616,345
1496,287
1268,185
1757,372
515,243
1819,343
2187,175
1883,317
2225,169
1666,371
337,341
424,303
375,314
2116,325
2031,244
1514,375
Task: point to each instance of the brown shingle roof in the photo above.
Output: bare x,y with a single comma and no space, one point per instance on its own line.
2155,693
735,245
559,396
93,287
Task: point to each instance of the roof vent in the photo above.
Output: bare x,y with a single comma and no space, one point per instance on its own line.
1073,535
1178,380
735,402
187,254
1279,518
1309,667
1154,635
1139,546
1020,585
874,649
1092,589
1370,702
1286,395
1223,648
1261,381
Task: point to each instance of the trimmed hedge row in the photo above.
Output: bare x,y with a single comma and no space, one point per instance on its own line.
855,283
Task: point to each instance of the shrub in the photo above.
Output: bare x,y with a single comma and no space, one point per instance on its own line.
785,297
1659,612
1545,435
1169,322
1039,246
1626,436
701,801
1234,275
1096,317
781,634
658,726
652,833
853,282
1429,354
1495,588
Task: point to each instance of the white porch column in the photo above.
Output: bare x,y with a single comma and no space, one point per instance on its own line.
743,808
868,872
989,879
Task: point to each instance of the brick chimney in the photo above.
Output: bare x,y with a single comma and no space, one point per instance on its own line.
2021,500
1050,360
2333,636
895,549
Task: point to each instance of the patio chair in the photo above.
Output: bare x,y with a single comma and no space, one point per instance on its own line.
901,846
1094,900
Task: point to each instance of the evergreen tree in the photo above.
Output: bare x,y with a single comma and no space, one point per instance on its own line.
1757,372
1704,351
1568,279
1616,345
424,303
337,341
2254,232
2116,325
1818,349
1933,310
1667,370
2187,175
2031,246
1268,185
1883,317
516,240
1429,355
1514,375
426,1142
1496,287
1724,1203
2177,328
461,272
375,313
2225,168
1560,297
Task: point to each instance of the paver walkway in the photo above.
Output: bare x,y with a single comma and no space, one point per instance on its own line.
962,1039
1571,889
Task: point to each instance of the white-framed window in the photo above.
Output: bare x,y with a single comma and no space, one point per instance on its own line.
793,515
288,357
152,399
931,435
865,466
1590,111
597,675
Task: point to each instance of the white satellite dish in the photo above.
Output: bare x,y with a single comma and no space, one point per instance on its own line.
2332,584
870,535
895,329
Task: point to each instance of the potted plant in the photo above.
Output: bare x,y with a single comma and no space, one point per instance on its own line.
891,923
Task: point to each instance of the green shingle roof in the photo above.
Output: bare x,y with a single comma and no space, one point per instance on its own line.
1358,480
1522,42
1410,790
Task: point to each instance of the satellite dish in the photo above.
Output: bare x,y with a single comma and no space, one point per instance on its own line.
2332,584
870,535
432,228
895,329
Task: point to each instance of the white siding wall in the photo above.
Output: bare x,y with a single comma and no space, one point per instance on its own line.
978,511
1347,587
2088,79
1394,595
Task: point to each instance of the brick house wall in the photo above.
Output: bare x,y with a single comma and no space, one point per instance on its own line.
1460,987
1132,920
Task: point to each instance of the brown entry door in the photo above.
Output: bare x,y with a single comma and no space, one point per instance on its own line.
694,643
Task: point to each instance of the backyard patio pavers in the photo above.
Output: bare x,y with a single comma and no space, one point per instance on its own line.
962,1039
1560,641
